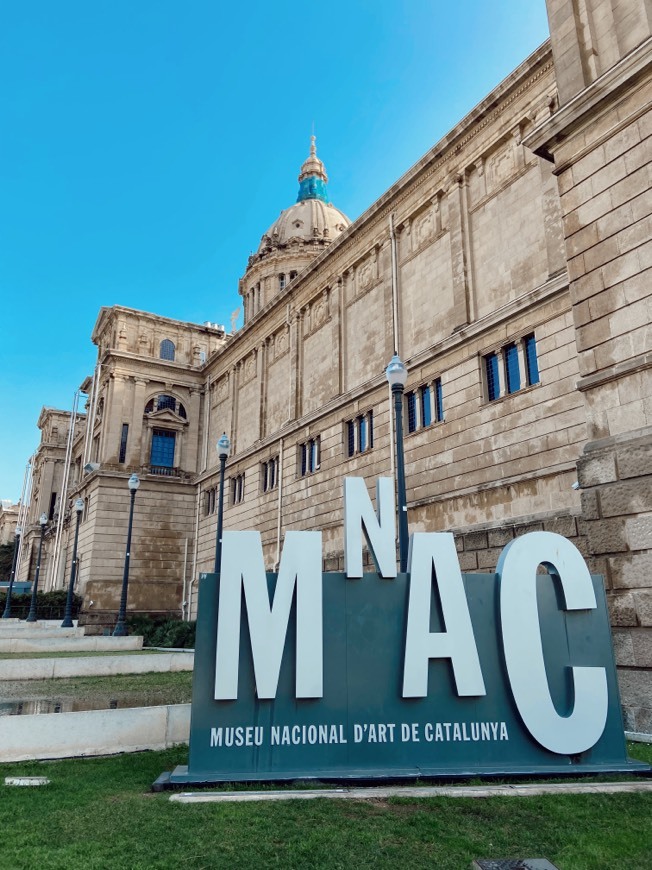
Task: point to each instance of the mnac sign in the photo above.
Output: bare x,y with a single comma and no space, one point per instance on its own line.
430,673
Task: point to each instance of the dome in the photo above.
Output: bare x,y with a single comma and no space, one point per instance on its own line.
307,221
312,219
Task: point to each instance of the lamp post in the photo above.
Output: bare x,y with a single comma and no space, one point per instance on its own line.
223,449
67,616
7,610
120,629
31,616
396,374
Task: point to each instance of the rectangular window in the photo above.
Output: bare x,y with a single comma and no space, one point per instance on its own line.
362,433
359,434
269,474
411,403
426,408
237,488
439,401
310,456
163,442
314,454
491,370
53,505
350,438
512,373
531,364
123,443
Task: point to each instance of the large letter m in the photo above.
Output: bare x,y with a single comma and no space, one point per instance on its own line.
243,567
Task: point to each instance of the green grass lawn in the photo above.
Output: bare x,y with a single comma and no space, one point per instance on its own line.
99,813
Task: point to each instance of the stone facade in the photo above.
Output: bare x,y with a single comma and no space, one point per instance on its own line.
507,267
599,140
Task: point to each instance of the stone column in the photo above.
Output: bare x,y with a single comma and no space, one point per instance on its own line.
135,446
233,387
460,248
191,432
263,362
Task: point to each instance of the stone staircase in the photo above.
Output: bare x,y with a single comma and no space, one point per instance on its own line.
46,635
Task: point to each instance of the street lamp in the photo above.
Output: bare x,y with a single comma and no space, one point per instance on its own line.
223,449
31,616
396,374
67,616
7,610
120,629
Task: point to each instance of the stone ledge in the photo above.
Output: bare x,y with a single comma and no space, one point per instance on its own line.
93,732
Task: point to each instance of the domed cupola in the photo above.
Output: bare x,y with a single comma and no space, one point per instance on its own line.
313,220
298,235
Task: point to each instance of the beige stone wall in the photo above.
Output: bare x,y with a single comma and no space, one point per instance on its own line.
161,550
591,36
599,140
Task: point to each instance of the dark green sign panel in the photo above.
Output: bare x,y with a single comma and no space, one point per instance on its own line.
362,727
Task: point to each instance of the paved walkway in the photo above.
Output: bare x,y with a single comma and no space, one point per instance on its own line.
426,791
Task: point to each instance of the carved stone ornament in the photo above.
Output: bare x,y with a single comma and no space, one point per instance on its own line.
423,228
222,389
281,342
365,274
319,312
249,371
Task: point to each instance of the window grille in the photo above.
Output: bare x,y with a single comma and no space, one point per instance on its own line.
511,368
237,488
350,438
167,349
439,401
359,434
411,402
166,402
123,443
269,474
512,363
531,363
493,383
426,408
362,433
309,456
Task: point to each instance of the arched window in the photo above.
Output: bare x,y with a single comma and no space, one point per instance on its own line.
167,349
164,402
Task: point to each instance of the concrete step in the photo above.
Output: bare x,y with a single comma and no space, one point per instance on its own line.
96,666
8,624
69,644
93,732
34,633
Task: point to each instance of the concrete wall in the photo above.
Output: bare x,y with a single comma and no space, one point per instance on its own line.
94,732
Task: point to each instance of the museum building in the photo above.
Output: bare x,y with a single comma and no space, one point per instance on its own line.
510,270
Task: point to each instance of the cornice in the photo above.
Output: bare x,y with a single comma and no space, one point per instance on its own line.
595,97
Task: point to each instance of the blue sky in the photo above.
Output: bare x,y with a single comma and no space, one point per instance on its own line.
145,146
